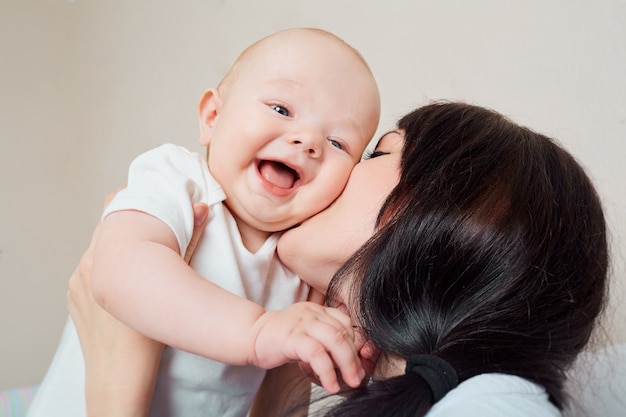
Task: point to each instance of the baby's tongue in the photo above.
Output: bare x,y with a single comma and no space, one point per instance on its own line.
277,174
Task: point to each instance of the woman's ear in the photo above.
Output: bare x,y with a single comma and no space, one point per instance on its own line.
208,110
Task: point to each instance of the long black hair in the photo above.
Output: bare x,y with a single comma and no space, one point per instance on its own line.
491,253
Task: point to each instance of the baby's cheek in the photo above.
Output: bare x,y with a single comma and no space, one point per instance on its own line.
336,181
327,191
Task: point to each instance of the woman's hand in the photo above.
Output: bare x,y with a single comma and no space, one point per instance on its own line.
121,365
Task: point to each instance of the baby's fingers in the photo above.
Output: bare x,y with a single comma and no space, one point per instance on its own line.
315,354
338,341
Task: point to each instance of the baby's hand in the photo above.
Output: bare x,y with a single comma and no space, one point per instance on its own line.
320,336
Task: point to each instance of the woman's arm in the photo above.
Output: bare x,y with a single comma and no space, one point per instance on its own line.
121,364
284,391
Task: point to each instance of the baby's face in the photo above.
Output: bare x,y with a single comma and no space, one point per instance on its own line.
289,128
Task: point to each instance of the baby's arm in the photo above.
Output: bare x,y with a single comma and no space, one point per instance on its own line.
139,277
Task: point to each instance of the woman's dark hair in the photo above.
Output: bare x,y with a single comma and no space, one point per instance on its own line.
491,254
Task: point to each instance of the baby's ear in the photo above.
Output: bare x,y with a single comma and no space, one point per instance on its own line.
208,109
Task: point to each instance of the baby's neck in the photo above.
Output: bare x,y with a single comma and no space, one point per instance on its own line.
252,238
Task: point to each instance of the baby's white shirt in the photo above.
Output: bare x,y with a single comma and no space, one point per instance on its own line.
165,182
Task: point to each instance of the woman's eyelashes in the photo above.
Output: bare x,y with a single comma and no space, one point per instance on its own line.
369,154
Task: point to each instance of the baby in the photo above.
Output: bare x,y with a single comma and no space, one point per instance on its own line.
283,131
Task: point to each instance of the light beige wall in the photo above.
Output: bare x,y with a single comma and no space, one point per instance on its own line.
85,85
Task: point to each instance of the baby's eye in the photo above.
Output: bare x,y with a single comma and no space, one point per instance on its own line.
335,143
280,109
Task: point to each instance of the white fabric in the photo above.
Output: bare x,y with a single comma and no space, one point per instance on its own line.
62,392
495,395
164,182
597,384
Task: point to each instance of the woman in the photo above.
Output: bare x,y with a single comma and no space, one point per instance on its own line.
493,250
482,282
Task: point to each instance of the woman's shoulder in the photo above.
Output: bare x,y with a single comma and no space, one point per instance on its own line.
494,395
597,383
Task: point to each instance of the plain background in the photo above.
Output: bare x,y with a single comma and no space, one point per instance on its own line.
86,85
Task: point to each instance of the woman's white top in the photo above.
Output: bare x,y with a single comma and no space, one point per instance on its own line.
495,395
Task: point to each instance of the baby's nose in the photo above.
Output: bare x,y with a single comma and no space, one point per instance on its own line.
309,144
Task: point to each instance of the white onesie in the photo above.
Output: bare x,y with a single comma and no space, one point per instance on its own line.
165,182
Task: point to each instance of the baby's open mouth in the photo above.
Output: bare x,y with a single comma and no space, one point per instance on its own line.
278,174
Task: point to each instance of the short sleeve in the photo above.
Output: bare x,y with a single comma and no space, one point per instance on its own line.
165,182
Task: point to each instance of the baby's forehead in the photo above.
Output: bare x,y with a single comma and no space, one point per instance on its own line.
278,45
302,37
